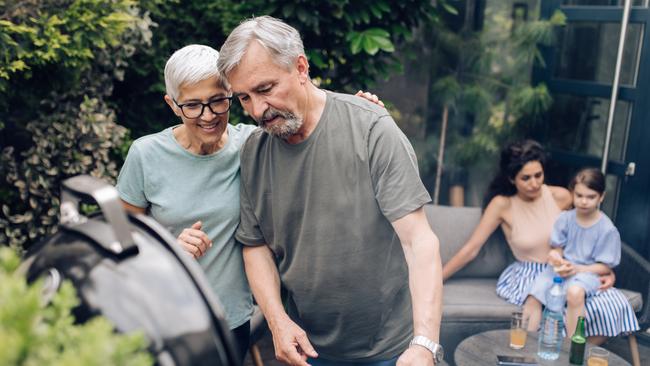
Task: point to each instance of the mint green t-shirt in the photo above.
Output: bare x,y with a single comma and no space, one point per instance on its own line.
181,188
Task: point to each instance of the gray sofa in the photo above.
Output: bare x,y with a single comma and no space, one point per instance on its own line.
470,301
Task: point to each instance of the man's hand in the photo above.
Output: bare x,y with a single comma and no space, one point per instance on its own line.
291,344
370,97
415,356
607,281
194,241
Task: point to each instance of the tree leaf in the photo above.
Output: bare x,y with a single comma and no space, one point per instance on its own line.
369,45
376,32
356,41
449,8
384,43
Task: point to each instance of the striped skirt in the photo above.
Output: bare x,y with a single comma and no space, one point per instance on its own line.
607,313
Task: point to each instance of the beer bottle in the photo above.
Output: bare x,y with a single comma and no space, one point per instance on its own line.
578,341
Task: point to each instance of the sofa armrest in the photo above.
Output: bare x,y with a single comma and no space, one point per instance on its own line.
633,273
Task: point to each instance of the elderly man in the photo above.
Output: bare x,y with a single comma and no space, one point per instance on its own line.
329,190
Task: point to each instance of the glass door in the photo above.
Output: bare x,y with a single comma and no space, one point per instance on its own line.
579,74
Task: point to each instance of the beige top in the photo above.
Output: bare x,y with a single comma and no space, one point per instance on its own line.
532,223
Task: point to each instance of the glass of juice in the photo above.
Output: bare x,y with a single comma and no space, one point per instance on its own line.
518,330
597,357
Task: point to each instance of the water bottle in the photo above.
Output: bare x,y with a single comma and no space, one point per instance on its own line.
551,331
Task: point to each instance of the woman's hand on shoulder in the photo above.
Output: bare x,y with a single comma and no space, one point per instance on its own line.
562,197
370,97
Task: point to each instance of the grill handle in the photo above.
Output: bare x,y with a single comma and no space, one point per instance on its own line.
85,188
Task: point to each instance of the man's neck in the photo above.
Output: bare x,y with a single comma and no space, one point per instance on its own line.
314,107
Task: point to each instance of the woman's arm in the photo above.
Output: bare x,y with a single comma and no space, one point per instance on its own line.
134,209
490,221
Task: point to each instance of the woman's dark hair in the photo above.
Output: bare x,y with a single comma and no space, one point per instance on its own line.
513,159
592,178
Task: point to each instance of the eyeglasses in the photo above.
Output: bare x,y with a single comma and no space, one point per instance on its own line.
195,109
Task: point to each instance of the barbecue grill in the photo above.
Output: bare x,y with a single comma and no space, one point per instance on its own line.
129,269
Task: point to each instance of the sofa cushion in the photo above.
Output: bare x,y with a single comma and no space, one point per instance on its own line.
453,226
474,299
635,299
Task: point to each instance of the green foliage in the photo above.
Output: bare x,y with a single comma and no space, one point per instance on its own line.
66,32
484,78
370,40
349,44
57,122
341,35
33,332
63,146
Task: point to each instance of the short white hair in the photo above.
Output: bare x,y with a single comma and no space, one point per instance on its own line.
279,38
190,65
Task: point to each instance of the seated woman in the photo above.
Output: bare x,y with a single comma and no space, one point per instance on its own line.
526,209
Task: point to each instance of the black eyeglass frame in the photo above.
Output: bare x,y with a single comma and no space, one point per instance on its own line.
203,105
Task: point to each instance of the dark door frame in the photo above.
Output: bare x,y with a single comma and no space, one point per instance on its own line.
632,216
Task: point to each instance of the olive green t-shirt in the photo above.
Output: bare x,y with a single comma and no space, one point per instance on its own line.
325,207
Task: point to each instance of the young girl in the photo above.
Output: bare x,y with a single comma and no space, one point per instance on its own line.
585,245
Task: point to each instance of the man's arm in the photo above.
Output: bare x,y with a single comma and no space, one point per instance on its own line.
422,252
289,340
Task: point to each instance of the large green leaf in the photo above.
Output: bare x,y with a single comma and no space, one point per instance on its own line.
370,46
370,41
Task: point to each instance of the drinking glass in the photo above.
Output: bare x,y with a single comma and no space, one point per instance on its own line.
518,330
597,357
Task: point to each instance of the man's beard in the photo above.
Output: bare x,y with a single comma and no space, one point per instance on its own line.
291,125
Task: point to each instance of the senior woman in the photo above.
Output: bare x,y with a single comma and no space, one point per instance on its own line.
187,177
525,208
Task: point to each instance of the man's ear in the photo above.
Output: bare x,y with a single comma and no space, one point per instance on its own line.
172,105
302,66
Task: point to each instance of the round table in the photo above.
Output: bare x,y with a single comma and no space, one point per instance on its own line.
483,348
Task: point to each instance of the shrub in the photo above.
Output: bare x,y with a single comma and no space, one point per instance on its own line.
36,333
59,60
64,145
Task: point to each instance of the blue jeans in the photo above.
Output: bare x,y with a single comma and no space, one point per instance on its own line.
323,362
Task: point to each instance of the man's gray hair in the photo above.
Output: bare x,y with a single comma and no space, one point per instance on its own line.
279,38
190,65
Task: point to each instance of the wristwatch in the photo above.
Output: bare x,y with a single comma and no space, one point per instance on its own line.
435,348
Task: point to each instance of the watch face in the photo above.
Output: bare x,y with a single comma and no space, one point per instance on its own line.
440,354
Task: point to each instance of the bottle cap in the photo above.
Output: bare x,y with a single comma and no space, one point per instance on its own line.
557,279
